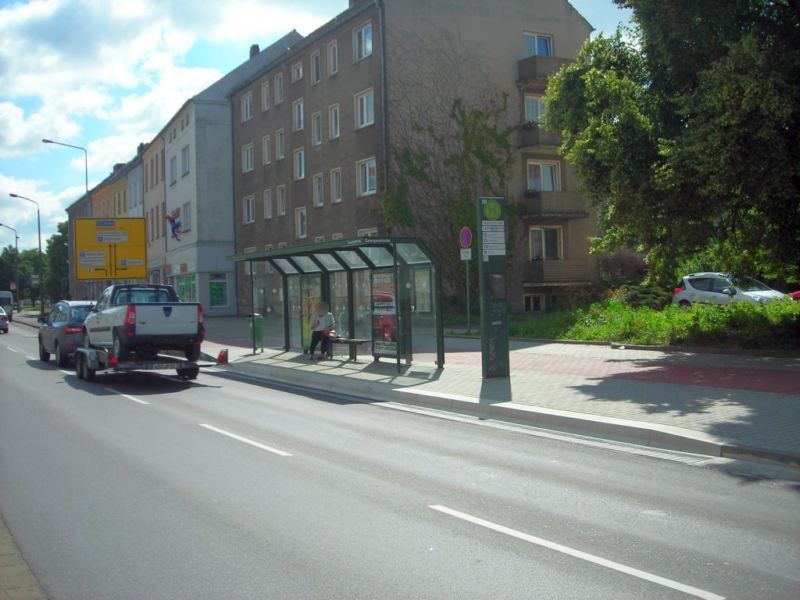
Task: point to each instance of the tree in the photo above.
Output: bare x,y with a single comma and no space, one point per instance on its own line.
57,261
8,267
685,133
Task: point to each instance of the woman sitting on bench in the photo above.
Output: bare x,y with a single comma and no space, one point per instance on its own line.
322,324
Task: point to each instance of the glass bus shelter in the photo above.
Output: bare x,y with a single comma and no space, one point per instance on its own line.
386,291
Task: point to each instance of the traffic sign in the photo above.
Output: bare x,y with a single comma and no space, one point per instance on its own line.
110,248
465,237
466,254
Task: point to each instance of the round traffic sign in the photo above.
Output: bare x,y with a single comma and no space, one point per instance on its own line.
465,237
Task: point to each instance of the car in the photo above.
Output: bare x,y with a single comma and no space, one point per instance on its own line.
3,320
61,332
795,295
722,288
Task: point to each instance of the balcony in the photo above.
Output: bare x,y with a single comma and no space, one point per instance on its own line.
536,137
553,205
557,272
538,68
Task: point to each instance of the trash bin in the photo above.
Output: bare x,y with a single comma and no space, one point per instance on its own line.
257,330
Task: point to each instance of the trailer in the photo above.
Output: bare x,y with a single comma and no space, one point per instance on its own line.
90,361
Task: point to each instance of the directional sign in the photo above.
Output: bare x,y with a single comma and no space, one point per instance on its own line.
110,249
465,237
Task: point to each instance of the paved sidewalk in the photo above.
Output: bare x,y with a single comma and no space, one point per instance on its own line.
719,404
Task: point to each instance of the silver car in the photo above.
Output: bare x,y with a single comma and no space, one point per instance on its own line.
722,288
3,321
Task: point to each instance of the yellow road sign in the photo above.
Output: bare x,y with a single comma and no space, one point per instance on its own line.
110,249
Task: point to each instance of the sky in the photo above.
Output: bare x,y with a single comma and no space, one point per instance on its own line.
108,75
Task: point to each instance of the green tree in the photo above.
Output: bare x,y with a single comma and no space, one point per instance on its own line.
57,260
685,132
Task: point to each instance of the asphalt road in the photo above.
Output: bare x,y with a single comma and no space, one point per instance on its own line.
146,487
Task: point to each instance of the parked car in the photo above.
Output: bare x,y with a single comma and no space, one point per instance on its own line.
795,295
722,288
3,320
61,332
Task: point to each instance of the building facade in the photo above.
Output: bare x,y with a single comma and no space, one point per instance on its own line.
154,208
313,132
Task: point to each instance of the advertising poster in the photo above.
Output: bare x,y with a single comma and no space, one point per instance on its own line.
384,315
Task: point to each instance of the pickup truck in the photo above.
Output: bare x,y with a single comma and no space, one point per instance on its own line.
145,319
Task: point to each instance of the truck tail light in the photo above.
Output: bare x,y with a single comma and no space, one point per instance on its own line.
199,314
130,320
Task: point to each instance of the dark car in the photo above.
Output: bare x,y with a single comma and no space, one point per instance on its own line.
62,331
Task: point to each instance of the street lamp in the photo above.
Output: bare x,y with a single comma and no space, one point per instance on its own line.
16,262
41,262
85,161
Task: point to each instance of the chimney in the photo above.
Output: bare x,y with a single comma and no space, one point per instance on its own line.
140,150
254,50
117,167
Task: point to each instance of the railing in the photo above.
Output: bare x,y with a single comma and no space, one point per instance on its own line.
567,205
539,67
558,271
536,136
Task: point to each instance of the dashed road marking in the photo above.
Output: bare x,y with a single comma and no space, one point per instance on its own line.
244,440
131,398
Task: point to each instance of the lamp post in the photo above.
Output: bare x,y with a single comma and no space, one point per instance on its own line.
41,262
16,262
85,161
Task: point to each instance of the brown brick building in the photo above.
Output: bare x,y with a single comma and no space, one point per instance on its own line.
312,131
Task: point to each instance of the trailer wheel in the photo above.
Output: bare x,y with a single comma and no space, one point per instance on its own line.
88,372
186,374
79,358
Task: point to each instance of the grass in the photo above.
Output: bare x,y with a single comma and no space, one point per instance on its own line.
771,326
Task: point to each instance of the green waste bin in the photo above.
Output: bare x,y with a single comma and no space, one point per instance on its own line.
257,330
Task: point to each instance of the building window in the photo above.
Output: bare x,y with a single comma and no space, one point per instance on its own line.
545,243
298,121
186,217
319,190
316,68
299,164
316,129
185,160
266,142
336,236
280,145
534,302
278,88
247,106
534,108
265,96
282,245
365,109
268,264
367,232
367,177
336,185
247,158
536,44
173,170
362,42
300,223
319,239
267,204
543,176
333,121
333,58
248,263
249,209
218,290
297,71
281,191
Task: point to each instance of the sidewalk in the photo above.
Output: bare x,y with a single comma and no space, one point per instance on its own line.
714,404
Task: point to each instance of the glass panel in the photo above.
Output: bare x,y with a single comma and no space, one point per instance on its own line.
380,257
412,254
362,298
330,263
295,314
352,259
306,264
339,302
551,244
537,244
543,46
285,266
528,45
423,323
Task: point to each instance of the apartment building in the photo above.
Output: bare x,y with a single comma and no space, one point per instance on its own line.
154,209
80,209
313,131
196,169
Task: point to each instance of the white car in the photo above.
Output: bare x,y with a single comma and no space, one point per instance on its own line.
722,288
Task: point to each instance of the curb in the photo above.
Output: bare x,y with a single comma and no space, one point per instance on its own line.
664,437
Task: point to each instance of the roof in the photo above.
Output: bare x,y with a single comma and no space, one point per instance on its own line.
344,255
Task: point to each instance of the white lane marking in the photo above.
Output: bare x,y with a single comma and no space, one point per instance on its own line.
65,372
12,349
244,440
603,562
32,358
131,398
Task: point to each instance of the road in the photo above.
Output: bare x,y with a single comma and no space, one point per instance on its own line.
146,487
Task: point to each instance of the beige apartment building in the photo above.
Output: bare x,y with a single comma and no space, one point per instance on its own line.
314,131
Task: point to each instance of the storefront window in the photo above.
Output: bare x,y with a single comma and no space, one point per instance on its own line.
186,287
218,289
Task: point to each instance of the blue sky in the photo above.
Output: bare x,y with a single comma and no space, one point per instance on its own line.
108,75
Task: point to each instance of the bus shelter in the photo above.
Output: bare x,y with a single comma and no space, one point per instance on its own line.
384,290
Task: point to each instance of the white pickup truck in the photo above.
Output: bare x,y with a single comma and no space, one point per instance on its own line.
145,319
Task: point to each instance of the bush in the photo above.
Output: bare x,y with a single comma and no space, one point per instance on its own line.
643,295
621,267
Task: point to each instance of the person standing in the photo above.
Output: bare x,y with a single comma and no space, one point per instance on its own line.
322,323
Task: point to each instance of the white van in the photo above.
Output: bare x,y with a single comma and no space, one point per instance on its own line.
7,302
